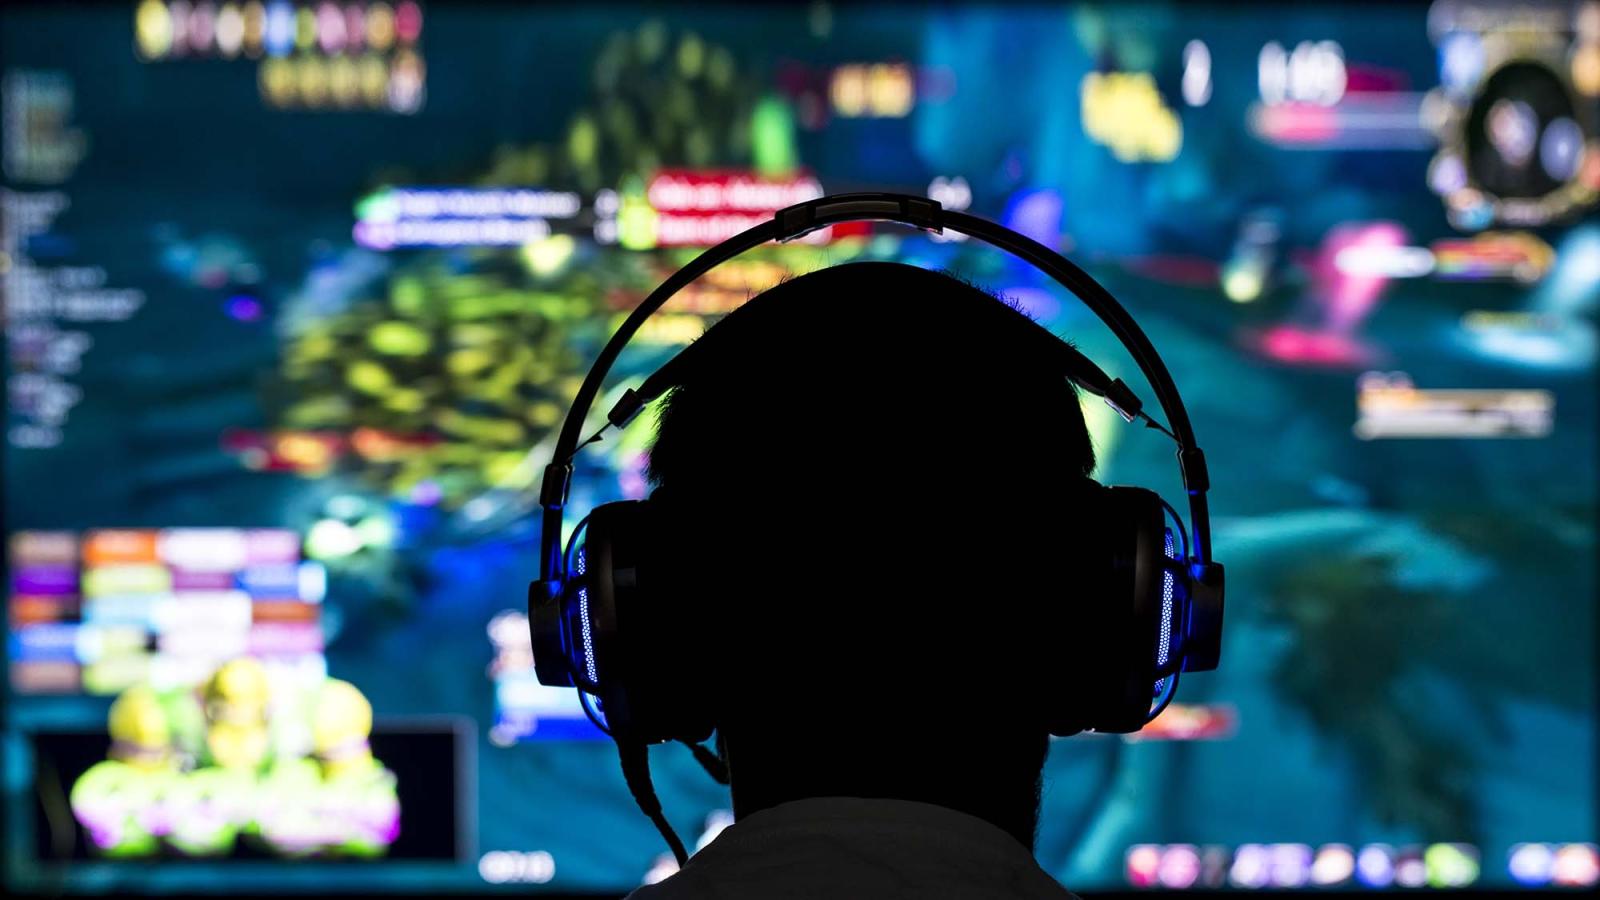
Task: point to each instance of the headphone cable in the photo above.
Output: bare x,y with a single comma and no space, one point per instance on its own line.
635,758
1148,423
711,762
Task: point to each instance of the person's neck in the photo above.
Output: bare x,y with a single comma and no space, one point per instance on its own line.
762,781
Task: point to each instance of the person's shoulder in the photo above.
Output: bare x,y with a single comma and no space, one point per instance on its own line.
657,891
857,846
673,887
677,888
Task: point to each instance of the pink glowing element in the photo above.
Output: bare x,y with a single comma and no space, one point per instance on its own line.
631,478
1347,298
330,28
1189,271
408,22
390,828
1360,78
426,493
1340,299
1292,344
1297,123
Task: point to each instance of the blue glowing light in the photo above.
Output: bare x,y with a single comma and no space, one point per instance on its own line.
1532,864
1573,284
426,493
584,618
1168,588
1161,694
594,708
1461,61
1037,214
588,635
1375,866
279,37
580,565
244,308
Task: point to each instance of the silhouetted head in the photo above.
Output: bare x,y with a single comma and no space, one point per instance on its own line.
878,483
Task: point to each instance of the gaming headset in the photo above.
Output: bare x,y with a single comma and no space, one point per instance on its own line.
593,606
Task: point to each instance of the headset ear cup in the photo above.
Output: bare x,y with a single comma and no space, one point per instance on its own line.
1116,618
588,609
645,652
1149,614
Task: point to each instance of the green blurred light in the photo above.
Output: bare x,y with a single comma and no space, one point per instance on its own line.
583,141
636,224
375,531
331,539
772,138
549,256
1106,428
1451,865
399,339
652,40
408,296
691,56
378,207
719,68
1241,283
368,377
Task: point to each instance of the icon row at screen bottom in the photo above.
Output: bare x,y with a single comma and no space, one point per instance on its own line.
1288,865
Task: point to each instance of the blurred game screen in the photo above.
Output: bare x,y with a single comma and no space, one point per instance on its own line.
297,293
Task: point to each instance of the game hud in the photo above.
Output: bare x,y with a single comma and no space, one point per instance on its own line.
296,295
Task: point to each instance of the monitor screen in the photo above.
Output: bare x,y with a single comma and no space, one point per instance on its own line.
297,294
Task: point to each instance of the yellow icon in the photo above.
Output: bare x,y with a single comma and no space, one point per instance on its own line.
152,29
141,736
236,701
849,91
1123,111
1586,69
380,26
311,75
374,78
891,91
255,27
276,77
344,81
341,723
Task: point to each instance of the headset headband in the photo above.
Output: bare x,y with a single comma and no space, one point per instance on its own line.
919,212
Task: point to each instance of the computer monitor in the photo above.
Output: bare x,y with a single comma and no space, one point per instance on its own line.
296,294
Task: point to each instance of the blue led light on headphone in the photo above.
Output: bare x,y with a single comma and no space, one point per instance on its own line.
1168,590
580,566
594,708
586,623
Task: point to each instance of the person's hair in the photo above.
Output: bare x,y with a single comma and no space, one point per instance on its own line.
877,486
